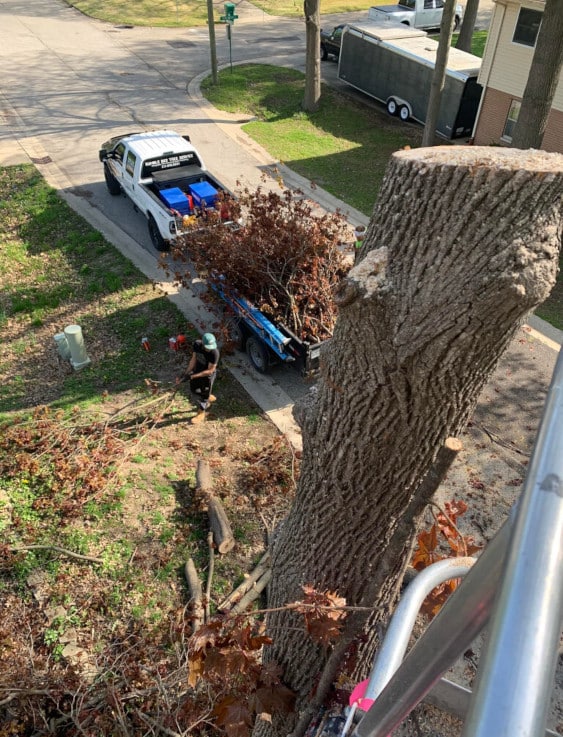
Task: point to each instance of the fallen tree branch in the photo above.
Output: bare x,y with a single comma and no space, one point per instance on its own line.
194,585
209,575
253,593
56,548
142,403
248,582
218,520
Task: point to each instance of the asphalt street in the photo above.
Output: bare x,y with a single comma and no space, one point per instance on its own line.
69,83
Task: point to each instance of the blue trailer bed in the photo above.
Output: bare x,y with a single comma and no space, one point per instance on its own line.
266,342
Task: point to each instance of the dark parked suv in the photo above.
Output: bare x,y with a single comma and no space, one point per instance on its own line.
330,42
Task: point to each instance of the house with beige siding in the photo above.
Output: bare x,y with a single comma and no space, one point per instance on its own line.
504,73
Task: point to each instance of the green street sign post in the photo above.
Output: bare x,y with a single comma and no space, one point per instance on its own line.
229,18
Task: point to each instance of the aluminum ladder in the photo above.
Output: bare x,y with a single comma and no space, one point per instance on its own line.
515,588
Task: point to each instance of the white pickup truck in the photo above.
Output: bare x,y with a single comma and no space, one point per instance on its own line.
425,14
166,179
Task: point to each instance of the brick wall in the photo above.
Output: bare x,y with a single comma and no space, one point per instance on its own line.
492,118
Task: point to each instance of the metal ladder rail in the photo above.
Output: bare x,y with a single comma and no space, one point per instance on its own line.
525,607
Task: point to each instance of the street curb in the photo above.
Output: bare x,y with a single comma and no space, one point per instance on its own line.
544,332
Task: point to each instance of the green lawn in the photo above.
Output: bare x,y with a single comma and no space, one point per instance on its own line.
97,477
184,13
344,147
477,44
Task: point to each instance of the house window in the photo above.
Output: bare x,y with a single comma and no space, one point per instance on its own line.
511,119
527,27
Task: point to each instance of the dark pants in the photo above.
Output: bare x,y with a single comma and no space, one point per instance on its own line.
201,388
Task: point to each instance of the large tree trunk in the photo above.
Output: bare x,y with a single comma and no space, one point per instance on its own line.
542,79
312,59
465,38
439,74
463,242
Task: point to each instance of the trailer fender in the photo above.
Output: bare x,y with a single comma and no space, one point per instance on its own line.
398,106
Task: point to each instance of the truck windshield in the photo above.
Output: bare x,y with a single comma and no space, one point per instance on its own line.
408,4
174,161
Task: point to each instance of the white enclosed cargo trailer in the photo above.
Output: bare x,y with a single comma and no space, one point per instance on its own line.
394,64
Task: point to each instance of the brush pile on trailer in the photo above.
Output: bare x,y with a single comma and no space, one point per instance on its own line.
275,273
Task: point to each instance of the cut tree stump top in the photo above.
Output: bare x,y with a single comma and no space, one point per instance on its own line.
486,156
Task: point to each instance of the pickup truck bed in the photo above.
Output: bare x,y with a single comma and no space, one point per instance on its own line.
145,165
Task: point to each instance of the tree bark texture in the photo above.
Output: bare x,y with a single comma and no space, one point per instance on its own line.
467,26
439,75
542,79
462,244
312,95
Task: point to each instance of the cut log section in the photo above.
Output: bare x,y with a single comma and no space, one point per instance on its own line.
262,567
252,593
218,521
194,584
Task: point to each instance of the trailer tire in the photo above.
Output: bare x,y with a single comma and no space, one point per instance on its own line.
235,333
114,188
404,113
391,106
258,354
156,238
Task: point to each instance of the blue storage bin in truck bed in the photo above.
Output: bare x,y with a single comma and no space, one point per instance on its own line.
175,199
204,194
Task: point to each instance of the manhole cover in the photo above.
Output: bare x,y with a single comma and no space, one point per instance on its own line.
279,39
180,44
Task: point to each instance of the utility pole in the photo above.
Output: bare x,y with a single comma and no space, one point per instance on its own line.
212,47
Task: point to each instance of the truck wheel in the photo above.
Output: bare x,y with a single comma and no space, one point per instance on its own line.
157,240
235,333
404,113
114,188
258,354
324,53
392,106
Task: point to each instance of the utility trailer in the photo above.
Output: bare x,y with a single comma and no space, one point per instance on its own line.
266,342
394,64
